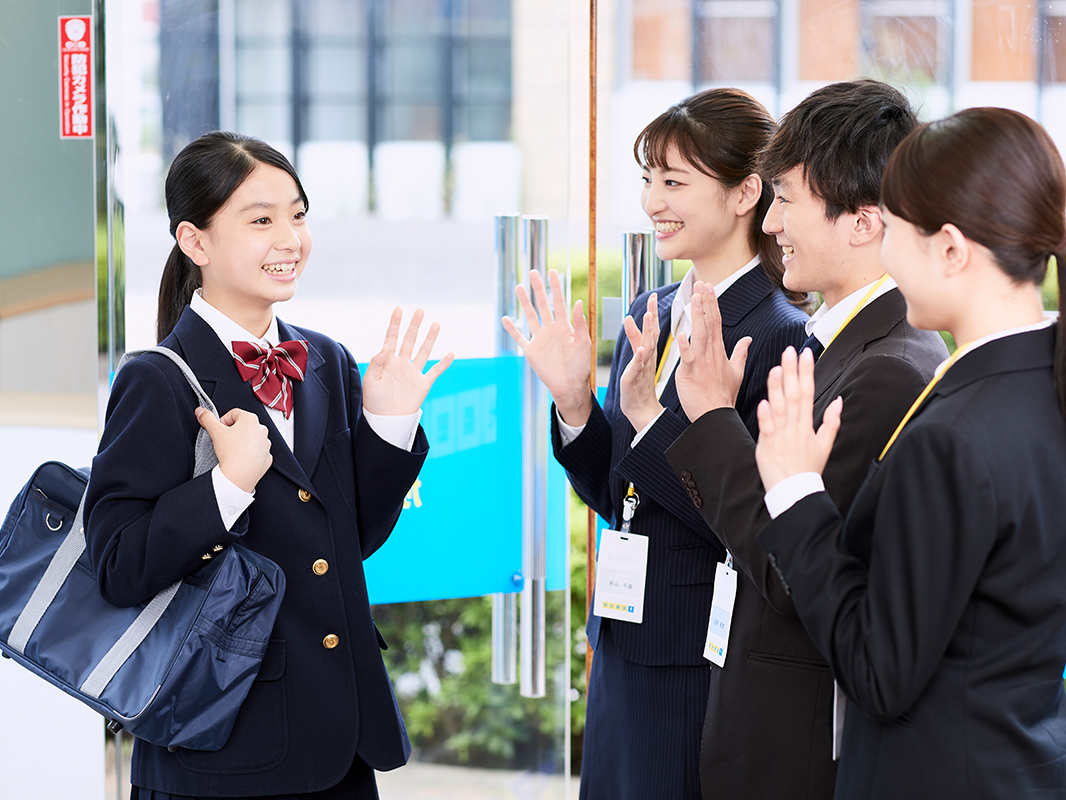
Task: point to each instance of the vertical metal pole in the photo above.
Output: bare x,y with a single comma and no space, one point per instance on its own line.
642,269
534,491
656,271
373,57
504,607
633,268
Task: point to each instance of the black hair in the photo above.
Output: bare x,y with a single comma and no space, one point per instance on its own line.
721,132
842,136
202,178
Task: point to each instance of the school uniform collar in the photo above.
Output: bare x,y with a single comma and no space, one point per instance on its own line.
229,331
213,364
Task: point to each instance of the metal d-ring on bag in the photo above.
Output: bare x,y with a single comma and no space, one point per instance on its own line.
174,671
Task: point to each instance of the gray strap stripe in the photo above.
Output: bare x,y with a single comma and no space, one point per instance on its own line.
73,546
54,576
129,641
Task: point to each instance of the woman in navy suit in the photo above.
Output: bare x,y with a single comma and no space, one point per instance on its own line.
940,600
649,683
314,464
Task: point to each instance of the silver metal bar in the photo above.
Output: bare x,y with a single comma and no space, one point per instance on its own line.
532,657
642,269
656,271
633,278
504,605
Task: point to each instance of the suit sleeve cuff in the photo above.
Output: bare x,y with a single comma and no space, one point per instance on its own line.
567,433
398,430
232,500
645,429
782,496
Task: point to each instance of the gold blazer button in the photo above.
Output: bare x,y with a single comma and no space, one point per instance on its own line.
304,495
320,567
331,641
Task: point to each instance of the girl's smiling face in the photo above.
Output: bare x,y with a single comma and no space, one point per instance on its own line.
690,210
255,249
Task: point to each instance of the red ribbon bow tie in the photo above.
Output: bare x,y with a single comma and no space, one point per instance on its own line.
269,370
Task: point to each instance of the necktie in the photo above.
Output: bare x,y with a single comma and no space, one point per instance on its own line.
269,370
815,346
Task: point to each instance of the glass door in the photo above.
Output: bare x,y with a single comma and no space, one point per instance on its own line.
413,124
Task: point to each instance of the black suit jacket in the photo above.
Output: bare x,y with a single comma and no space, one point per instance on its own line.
682,550
768,731
939,600
312,708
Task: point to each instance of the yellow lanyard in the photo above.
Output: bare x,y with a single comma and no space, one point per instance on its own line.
662,361
925,393
859,307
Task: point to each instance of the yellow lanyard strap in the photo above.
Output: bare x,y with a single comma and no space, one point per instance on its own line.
925,393
662,361
858,307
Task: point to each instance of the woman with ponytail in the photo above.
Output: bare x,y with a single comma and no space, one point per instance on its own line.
314,463
940,600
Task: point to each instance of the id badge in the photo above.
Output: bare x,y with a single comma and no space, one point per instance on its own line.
725,594
621,571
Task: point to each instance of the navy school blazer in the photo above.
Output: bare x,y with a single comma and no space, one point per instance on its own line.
682,549
312,708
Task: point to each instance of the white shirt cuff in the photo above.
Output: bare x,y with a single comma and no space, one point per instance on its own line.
645,429
782,496
399,430
231,499
567,433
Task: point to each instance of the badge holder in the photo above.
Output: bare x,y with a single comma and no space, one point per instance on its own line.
622,568
725,595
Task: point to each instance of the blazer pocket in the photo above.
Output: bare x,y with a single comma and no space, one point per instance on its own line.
260,737
691,564
790,662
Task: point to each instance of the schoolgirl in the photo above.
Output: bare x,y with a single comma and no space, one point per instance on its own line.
314,464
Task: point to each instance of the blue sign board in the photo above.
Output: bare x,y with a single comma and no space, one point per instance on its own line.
460,533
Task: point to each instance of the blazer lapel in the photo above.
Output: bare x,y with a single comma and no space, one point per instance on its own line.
872,323
311,405
213,364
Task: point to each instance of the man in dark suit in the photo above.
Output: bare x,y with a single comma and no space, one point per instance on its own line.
768,729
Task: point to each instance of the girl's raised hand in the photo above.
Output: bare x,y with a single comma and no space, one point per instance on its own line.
560,353
394,383
788,444
637,384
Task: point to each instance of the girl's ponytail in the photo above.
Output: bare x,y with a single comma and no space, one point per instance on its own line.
181,278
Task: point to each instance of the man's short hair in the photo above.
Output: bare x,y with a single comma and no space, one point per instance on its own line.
842,136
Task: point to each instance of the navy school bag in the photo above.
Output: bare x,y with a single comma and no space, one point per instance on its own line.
173,671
